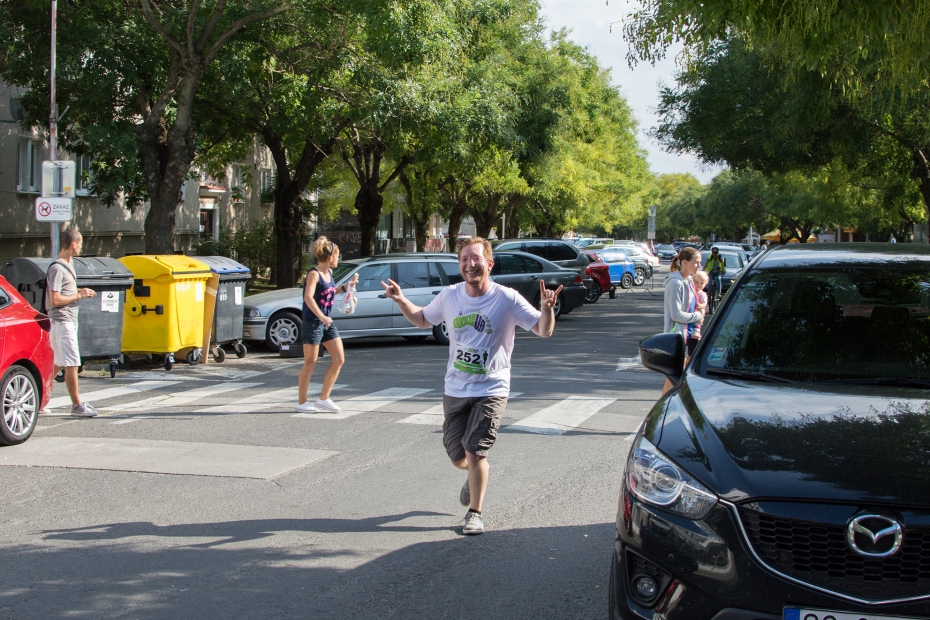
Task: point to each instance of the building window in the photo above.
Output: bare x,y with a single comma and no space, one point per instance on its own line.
384,226
30,166
266,180
84,175
235,177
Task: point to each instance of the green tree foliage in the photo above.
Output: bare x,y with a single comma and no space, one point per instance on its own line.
732,107
852,42
129,74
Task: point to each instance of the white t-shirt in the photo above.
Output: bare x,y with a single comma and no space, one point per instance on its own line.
481,335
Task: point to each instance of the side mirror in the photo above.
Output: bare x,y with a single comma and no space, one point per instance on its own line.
664,353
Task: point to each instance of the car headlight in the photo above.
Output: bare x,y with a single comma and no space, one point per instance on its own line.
252,312
654,479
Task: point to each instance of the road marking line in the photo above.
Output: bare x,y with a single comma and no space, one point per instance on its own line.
265,400
630,363
179,399
561,417
132,388
434,415
366,403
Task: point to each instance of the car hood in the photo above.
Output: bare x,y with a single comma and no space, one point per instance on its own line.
273,297
839,443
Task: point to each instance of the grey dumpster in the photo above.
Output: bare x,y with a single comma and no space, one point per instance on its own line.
227,317
100,319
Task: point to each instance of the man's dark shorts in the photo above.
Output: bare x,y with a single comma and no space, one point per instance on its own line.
471,424
315,333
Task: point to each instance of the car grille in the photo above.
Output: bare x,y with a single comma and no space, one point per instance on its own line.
817,554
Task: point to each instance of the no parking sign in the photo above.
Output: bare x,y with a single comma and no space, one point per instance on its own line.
53,209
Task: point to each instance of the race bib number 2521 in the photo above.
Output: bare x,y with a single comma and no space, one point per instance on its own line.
473,360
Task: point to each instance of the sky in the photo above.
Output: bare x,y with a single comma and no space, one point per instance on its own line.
590,24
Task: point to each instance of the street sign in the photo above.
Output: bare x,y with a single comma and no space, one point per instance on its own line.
651,231
58,178
53,209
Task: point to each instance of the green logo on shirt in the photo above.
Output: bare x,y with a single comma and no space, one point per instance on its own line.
476,320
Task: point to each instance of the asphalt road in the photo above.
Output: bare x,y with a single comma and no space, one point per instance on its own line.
198,493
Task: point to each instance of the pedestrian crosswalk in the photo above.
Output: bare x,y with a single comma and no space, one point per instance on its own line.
421,406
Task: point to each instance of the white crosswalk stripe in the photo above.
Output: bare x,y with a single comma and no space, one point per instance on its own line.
188,396
364,404
98,395
561,417
434,415
265,400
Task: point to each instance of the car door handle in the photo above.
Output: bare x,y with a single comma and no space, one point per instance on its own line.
436,292
382,296
533,277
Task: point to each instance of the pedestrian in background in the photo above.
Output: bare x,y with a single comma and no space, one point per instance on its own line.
481,317
317,326
61,302
680,299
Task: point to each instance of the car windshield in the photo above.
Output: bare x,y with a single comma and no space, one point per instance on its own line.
858,325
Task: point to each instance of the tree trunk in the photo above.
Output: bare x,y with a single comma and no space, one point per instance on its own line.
455,224
368,204
487,215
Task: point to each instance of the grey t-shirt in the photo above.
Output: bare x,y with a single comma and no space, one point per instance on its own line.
61,279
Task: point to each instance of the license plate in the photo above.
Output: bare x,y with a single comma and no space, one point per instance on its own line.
795,613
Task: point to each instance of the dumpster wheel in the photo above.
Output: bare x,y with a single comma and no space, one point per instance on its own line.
219,355
113,366
240,350
193,357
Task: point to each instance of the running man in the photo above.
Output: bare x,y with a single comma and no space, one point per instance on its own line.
481,317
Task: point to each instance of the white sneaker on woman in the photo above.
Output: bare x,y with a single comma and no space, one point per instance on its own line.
306,407
327,404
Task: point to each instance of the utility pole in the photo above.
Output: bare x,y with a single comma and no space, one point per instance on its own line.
53,125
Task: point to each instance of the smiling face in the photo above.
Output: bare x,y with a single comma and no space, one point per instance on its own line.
475,266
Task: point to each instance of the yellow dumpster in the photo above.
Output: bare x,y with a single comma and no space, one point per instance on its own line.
164,308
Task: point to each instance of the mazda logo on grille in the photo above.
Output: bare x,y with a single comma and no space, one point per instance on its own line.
874,536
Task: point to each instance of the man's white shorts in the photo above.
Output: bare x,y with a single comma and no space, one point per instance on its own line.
65,343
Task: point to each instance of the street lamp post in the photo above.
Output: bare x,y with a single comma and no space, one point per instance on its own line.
53,123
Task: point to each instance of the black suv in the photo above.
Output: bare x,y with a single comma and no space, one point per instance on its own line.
562,253
787,474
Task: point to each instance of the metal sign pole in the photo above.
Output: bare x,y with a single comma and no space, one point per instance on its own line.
53,125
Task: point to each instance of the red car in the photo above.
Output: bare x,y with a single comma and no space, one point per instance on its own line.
26,365
600,273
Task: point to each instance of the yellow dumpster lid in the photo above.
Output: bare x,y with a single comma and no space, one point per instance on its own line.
148,266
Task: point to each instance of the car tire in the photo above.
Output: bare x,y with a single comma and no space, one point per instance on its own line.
594,294
639,276
626,281
20,406
649,271
441,334
283,328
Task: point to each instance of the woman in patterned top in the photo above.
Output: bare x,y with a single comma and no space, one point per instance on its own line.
317,326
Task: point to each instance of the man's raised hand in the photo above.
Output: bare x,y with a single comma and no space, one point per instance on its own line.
547,298
392,290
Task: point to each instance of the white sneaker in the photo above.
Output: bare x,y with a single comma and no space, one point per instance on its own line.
327,404
306,407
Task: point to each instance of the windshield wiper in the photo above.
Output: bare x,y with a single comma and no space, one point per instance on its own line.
748,374
890,381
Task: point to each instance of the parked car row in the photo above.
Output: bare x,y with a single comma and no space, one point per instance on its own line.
275,317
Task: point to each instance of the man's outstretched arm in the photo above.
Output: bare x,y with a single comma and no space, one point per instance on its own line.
413,312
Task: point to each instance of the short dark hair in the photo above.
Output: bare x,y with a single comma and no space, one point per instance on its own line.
69,236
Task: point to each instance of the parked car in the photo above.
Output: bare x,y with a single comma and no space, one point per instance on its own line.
556,251
26,365
523,271
644,266
666,251
599,272
785,476
623,271
733,261
275,317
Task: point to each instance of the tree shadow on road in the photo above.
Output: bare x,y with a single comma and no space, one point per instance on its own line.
116,571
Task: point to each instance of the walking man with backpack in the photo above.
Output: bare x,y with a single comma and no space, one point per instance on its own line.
61,302
481,317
